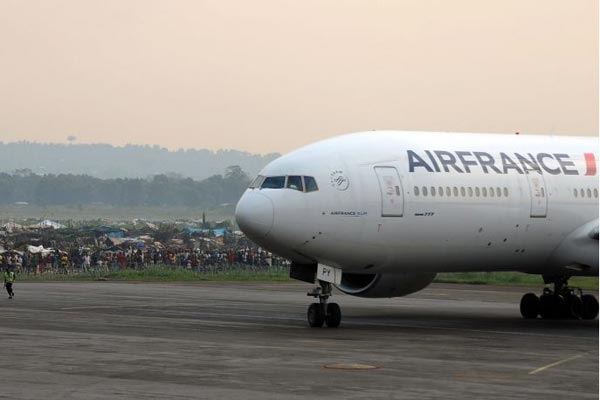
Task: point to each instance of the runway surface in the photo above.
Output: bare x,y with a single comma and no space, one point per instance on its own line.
251,341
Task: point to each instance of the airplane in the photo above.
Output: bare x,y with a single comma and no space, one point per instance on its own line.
379,214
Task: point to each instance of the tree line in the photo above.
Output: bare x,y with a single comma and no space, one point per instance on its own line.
159,190
131,161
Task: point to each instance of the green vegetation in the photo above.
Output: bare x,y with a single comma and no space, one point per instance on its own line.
510,279
156,191
163,274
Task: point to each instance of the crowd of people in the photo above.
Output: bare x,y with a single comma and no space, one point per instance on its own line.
207,258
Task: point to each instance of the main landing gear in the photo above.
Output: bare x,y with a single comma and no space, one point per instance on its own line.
323,312
562,302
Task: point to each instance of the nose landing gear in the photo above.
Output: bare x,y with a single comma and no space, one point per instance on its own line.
323,312
562,302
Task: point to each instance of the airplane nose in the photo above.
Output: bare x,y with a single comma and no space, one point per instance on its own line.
254,214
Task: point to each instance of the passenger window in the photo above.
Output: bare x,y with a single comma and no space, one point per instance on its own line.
498,192
484,192
441,191
589,193
424,191
448,191
595,193
432,191
575,192
416,190
470,190
462,191
273,182
491,192
256,182
582,192
310,185
505,192
455,191
295,182
477,192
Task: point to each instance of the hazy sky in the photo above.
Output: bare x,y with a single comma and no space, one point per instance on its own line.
268,76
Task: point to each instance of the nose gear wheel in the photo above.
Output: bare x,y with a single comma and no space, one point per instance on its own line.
323,312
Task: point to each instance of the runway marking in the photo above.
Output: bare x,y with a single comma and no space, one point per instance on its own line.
557,363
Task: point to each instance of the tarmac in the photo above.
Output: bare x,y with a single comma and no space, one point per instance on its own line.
223,340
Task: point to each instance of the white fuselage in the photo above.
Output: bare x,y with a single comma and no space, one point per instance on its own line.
438,202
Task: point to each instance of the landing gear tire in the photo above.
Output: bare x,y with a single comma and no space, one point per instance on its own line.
315,315
561,302
323,312
546,306
530,306
574,307
553,306
334,315
589,307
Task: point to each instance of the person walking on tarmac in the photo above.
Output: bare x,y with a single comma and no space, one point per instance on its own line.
9,279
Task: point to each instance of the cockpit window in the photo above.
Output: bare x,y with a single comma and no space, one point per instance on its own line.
273,182
294,182
310,185
257,182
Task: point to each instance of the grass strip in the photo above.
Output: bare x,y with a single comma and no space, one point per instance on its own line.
162,274
158,274
511,279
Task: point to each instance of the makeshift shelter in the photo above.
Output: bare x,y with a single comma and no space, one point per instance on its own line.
47,224
215,232
39,250
110,231
11,227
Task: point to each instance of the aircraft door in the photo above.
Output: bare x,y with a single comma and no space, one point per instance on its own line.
538,195
390,185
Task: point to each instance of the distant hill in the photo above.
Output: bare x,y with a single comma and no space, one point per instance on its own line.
131,161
